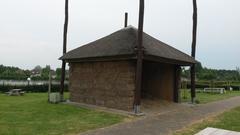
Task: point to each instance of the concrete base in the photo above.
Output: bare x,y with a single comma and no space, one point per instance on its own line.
137,110
105,109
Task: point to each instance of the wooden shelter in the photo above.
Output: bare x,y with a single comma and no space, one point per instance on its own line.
104,72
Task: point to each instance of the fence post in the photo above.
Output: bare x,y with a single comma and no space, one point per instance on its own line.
49,85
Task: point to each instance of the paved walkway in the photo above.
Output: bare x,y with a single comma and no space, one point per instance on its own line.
166,123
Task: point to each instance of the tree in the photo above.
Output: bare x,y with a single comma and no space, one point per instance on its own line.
209,75
45,72
38,68
238,70
27,73
198,67
7,72
58,73
185,73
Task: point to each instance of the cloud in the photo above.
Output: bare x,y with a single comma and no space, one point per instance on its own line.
31,31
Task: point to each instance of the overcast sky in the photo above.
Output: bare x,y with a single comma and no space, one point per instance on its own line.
31,30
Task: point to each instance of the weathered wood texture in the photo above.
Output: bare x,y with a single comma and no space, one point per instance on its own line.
177,82
64,49
139,65
194,40
158,81
108,84
126,20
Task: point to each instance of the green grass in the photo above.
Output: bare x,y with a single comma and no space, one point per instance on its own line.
32,115
208,97
229,120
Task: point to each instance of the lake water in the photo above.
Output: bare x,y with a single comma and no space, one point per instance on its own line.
22,82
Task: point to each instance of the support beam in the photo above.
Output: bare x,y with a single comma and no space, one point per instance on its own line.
137,100
64,51
177,81
49,84
126,20
194,40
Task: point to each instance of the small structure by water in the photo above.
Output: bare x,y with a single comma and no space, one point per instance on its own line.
104,72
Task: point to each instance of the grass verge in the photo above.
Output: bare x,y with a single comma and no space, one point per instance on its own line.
204,98
229,120
32,115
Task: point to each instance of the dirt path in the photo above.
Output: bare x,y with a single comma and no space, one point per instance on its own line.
164,124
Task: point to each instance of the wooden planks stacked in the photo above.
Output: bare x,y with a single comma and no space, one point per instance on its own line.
215,131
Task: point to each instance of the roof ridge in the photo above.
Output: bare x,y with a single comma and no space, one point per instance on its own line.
123,42
168,45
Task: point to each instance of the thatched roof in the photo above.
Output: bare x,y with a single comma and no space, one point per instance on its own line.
123,44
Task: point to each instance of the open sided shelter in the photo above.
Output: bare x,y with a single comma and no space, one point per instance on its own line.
104,72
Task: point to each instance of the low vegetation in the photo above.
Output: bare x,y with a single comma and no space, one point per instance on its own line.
203,98
32,115
32,88
38,73
208,74
229,120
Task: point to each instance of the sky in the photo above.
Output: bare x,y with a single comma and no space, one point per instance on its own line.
31,30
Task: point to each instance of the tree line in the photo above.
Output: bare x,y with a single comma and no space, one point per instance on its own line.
42,73
206,74
37,73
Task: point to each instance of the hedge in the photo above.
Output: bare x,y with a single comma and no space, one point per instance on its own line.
202,86
32,88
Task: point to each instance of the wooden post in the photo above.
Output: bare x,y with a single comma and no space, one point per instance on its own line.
137,100
64,51
194,39
126,20
177,83
49,85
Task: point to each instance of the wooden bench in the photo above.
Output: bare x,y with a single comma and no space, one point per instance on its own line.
214,90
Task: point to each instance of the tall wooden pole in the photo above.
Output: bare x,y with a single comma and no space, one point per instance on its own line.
137,100
49,84
64,50
126,20
194,40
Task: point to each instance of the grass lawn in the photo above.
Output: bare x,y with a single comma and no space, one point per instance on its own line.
229,120
208,97
32,115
